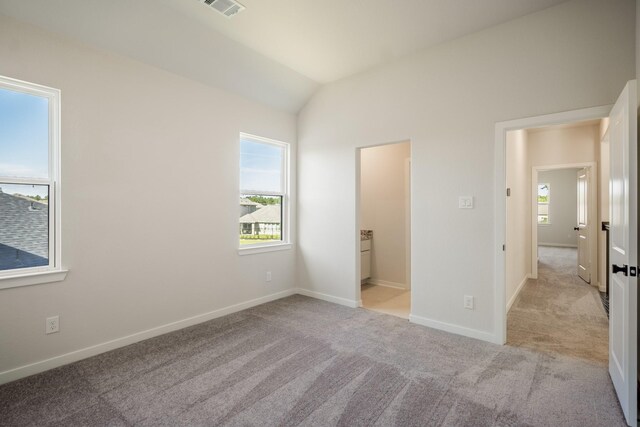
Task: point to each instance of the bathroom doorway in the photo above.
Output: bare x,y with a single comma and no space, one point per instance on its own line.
384,223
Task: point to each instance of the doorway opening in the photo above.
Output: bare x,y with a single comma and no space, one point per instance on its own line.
564,219
553,212
383,212
618,152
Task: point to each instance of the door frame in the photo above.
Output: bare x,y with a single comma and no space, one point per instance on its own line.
500,230
409,216
592,208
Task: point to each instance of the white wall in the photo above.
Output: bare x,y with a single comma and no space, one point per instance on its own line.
518,244
564,145
446,100
562,208
149,202
638,78
603,211
383,209
638,69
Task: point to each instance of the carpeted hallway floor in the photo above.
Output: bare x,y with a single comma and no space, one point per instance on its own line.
300,361
559,312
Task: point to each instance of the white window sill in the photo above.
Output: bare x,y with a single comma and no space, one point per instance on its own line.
266,248
28,279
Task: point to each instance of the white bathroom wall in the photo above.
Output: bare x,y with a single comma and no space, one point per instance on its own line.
150,171
447,100
562,208
383,209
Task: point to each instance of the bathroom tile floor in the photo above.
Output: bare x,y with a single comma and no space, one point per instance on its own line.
393,301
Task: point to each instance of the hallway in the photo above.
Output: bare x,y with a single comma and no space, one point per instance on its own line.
559,313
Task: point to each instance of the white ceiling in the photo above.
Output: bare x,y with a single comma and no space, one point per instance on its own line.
331,39
276,51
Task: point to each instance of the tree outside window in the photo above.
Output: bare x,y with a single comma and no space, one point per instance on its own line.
544,197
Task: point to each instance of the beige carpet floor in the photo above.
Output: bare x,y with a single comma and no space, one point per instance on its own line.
559,313
382,299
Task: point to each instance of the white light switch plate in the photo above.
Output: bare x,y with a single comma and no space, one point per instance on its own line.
465,202
468,302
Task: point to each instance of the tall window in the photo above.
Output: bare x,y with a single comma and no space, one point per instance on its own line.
544,197
263,192
29,209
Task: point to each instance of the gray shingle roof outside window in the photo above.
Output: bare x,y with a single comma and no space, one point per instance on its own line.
247,202
24,232
269,214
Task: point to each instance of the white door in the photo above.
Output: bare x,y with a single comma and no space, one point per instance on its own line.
584,248
623,248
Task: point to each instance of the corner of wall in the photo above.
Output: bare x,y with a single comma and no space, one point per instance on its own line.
329,298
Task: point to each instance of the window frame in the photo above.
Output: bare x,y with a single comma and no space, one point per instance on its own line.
53,272
547,203
285,229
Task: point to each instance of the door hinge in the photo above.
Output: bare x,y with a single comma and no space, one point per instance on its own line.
508,192
504,247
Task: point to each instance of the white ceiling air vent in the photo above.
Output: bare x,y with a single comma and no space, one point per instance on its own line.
228,8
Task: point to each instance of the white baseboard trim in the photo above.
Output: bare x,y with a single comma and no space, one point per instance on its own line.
454,329
558,245
387,284
329,298
517,292
74,356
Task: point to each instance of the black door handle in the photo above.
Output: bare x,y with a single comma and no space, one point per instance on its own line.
576,228
617,269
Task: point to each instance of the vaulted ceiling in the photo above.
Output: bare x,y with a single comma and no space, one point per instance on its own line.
276,51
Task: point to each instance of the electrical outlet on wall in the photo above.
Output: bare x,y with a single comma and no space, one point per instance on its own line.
52,325
268,276
468,302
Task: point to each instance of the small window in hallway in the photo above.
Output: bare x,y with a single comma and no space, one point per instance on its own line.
544,197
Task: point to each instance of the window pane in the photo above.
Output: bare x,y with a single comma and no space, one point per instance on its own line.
260,219
261,166
24,226
543,209
582,201
543,219
543,193
24,135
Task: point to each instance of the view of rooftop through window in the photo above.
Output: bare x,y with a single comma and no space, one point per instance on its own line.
24,161
262,191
